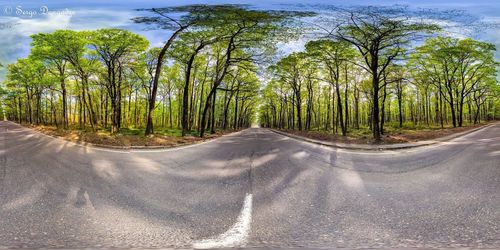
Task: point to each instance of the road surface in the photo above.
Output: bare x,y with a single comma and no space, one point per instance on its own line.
253,188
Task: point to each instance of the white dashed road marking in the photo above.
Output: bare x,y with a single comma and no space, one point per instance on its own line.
237,235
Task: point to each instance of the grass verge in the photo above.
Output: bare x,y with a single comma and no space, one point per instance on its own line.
392,135
127,136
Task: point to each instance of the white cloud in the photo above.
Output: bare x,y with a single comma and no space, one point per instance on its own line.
88,19
15,31
48,24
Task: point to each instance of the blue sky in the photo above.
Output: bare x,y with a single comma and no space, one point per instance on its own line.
20,19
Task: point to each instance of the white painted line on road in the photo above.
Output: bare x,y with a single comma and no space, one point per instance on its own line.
237,235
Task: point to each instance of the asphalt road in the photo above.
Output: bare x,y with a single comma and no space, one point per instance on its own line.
253,188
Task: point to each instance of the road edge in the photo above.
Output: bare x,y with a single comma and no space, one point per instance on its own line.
374,147
128,148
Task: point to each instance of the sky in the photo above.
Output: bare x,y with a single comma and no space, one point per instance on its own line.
20,19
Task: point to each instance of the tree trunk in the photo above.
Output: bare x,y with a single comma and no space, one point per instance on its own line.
154,90
185,95
346,100
65,105
375,113
212,126
400,110
382,120
339,109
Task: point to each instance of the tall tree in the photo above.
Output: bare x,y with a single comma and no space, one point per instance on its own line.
380,39
334,57
456,67
249,36
290,70
30,75
178,19
115,48
186,50
47,47
73,49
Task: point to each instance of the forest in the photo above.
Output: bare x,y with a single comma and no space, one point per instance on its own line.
333,87
219,70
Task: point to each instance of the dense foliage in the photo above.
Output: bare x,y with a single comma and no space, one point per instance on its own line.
366,73
445,81
204,77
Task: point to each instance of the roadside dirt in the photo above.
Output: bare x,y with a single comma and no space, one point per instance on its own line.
104,138
401,136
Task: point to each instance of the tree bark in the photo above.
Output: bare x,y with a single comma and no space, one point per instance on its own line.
375,113
154,90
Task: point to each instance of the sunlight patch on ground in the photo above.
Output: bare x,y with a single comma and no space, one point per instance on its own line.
146,165
494,153
300,155
30,197
105,169
352,179
259,161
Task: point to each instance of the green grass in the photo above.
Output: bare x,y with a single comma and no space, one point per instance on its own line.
392,128
175,132
137,131
362,132
129,131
